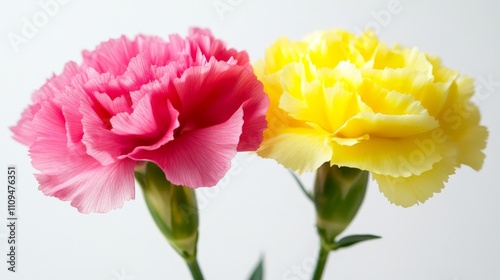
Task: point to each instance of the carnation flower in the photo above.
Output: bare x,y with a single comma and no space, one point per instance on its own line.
353,101
187,105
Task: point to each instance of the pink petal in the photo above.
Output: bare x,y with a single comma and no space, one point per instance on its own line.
72,116
23,130
139,72
156,50
107,107
153,122
200,157
112,56
140,122
255,107
210,94
211,47
149,126
50,146
90,186
106,84
255,124
162,82
70,174
101,143
57,83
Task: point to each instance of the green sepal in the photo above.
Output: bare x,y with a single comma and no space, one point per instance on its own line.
338,195
173,208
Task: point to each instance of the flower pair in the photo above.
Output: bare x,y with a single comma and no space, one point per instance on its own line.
189,104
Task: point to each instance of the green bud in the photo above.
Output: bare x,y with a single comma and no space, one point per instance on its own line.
338,194
174,208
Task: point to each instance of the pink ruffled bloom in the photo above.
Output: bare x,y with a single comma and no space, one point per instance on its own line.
187,105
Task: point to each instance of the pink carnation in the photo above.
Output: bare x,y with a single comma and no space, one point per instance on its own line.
187,105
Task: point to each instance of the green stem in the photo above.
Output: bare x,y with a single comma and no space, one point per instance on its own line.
194,267
321,263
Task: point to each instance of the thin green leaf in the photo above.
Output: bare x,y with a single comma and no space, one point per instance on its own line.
353,239
299,182
258,273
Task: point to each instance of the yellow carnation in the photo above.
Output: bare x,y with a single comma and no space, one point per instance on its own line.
352,101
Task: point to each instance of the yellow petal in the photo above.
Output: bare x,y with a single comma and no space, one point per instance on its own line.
417,189
345,73
328,103
300,149
327,49
389,100
431,95
387,58
367,45
397,157
465,86
400,57
283,52
471,145
391,126
279,120
271,82
416,60
350,141
441,74
460,120
394,115
294,77
328,108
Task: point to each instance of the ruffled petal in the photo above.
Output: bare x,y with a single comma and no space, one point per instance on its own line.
112,56
306,148
140,122
397,157
70,174
327,49
461,122
282,53
70,105
149,126
57,83
472,145
210,46
162,120
381,125
200,157
101,143
327,107
412,190
210,94
90,186
23,130
419,86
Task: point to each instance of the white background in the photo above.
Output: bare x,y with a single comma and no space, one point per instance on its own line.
258,210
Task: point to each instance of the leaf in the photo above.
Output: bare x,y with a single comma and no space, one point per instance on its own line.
258,273
299,182
353,239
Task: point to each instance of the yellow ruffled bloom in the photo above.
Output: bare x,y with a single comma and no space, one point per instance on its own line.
355,102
